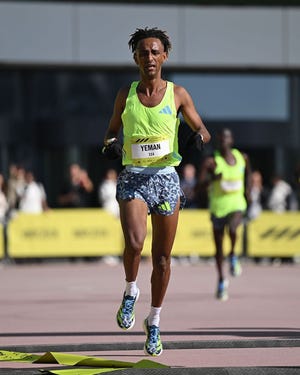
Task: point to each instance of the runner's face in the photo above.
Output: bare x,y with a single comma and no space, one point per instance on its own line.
149,56
225,139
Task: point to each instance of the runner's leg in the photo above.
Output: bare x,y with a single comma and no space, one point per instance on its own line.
163,235
133,216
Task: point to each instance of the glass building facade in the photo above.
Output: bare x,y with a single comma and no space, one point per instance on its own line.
50,117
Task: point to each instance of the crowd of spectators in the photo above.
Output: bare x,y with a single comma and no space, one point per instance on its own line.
22,192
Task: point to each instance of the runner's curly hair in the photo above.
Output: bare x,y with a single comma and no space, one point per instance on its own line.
154,32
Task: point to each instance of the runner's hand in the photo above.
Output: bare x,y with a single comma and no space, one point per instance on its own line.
196,139
113,150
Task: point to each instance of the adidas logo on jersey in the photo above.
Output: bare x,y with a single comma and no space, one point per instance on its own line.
166,110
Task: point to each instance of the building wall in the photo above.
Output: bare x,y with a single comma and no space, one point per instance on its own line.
77,33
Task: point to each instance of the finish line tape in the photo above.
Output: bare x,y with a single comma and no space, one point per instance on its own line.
100,365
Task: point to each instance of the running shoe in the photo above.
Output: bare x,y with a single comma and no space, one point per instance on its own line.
126,313
153,345
222,292
235,266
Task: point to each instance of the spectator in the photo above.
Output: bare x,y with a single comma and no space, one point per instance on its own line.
188,184
107,192
280,194
76,192
15,186
33,199
3,200
257,195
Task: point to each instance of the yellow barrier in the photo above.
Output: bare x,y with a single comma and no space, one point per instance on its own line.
65,233
94,232
274,235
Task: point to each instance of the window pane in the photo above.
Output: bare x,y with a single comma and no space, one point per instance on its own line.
238,96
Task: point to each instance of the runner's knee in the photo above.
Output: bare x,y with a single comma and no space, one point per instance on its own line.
135,244
162,263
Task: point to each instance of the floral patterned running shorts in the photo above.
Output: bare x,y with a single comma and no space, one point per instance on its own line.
159,191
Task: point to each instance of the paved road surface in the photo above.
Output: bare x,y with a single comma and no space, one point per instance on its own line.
70,307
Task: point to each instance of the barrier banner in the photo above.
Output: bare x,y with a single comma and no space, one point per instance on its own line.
65,233
274,235
94,232
194,236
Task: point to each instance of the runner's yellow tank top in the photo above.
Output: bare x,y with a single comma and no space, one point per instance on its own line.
227,194
150,133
